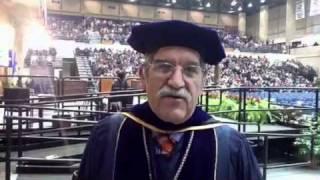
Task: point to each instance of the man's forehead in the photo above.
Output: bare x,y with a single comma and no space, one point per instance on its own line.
177,53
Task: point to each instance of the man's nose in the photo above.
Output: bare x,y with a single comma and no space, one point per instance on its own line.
176,80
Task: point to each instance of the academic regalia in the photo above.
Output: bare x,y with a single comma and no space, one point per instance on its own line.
149,37
120,148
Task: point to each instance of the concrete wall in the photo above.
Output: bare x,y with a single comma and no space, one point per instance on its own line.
252,25
129,10
211,18
277,22
91,7
70,5
308,25
228,20
308,55
146,12
110,8
139,12
53,5
276,31
179,14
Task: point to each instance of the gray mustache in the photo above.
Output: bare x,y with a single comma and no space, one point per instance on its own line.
181,93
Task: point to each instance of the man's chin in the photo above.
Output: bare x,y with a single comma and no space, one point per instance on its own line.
171,101
174,117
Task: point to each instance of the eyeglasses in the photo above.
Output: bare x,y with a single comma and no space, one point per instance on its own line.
167,69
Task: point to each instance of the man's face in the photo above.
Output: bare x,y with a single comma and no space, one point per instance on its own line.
173,82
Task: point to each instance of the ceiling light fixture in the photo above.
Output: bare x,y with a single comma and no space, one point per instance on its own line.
233,3
250,5
208,5
262,1
239,8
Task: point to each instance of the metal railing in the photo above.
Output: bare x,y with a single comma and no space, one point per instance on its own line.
242,100
265,165
40,106
9,135
21,136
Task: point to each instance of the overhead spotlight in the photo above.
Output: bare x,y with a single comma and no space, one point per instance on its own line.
250,5
262,1
174,1
208,5
239,8
233,3
132,0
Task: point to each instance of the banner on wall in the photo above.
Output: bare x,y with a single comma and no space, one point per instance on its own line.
314,7
300,9
56,1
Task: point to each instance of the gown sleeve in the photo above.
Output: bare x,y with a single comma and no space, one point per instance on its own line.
99,155
247,166
90,158
236,160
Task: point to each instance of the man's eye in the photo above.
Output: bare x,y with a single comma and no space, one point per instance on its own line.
192,70
165,67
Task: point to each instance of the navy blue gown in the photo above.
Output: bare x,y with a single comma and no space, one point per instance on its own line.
120,148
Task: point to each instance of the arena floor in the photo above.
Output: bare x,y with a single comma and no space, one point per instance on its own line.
273,174
68,150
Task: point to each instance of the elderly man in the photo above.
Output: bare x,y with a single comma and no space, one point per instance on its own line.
169,137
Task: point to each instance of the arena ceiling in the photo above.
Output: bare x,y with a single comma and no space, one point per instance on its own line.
224,6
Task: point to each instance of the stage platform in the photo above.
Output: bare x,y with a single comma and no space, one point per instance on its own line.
69,150
265,128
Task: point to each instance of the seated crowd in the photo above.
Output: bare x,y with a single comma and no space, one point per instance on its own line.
108,62
260,72
39,56
98,30
235,70
248,44
89,29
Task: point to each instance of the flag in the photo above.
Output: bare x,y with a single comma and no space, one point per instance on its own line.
12,61
43,11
